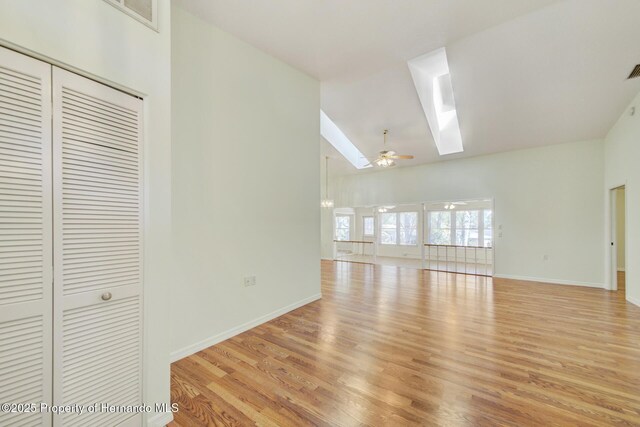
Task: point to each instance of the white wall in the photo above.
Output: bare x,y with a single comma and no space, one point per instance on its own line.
622,151
548,200
95,38
245,185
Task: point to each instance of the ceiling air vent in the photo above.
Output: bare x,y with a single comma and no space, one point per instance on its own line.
635,73
144,11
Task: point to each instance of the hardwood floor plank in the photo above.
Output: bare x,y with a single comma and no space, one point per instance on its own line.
389,346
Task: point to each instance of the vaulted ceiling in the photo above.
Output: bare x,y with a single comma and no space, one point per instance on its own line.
525,73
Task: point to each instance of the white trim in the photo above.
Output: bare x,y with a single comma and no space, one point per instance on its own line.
160,420
551,281
208,342
620,269
633,300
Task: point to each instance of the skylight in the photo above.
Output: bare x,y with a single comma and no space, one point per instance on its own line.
431,77
340,142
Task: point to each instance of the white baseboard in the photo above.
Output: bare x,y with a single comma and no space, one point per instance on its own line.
634,301
621,269
160,420
208,342
550,281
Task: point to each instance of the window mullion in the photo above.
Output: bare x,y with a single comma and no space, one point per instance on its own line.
452,221
427,224
481,227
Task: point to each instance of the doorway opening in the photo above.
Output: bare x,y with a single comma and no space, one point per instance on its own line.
618,239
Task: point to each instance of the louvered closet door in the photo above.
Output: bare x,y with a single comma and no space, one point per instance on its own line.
98,249
25,236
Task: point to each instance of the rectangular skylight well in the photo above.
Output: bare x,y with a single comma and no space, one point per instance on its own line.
332,133
431,77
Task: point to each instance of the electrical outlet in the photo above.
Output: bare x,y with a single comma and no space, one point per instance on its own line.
249,281
545,257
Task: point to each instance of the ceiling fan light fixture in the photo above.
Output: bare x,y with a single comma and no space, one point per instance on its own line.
385,163
387,158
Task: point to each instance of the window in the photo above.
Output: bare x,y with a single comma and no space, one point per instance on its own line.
343,227
368,227
408,228
467,233
388,229
461,227
399,228
487,221
332,133
440,228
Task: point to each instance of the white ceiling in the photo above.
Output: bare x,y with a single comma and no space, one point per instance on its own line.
525,72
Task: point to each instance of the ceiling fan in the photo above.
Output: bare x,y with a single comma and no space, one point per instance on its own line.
387,158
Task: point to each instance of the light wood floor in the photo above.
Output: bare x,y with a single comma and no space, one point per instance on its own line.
383,260
388,346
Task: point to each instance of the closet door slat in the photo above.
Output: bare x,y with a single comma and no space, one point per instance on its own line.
97,135
25,236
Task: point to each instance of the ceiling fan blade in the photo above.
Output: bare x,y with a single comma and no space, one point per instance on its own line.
401,157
